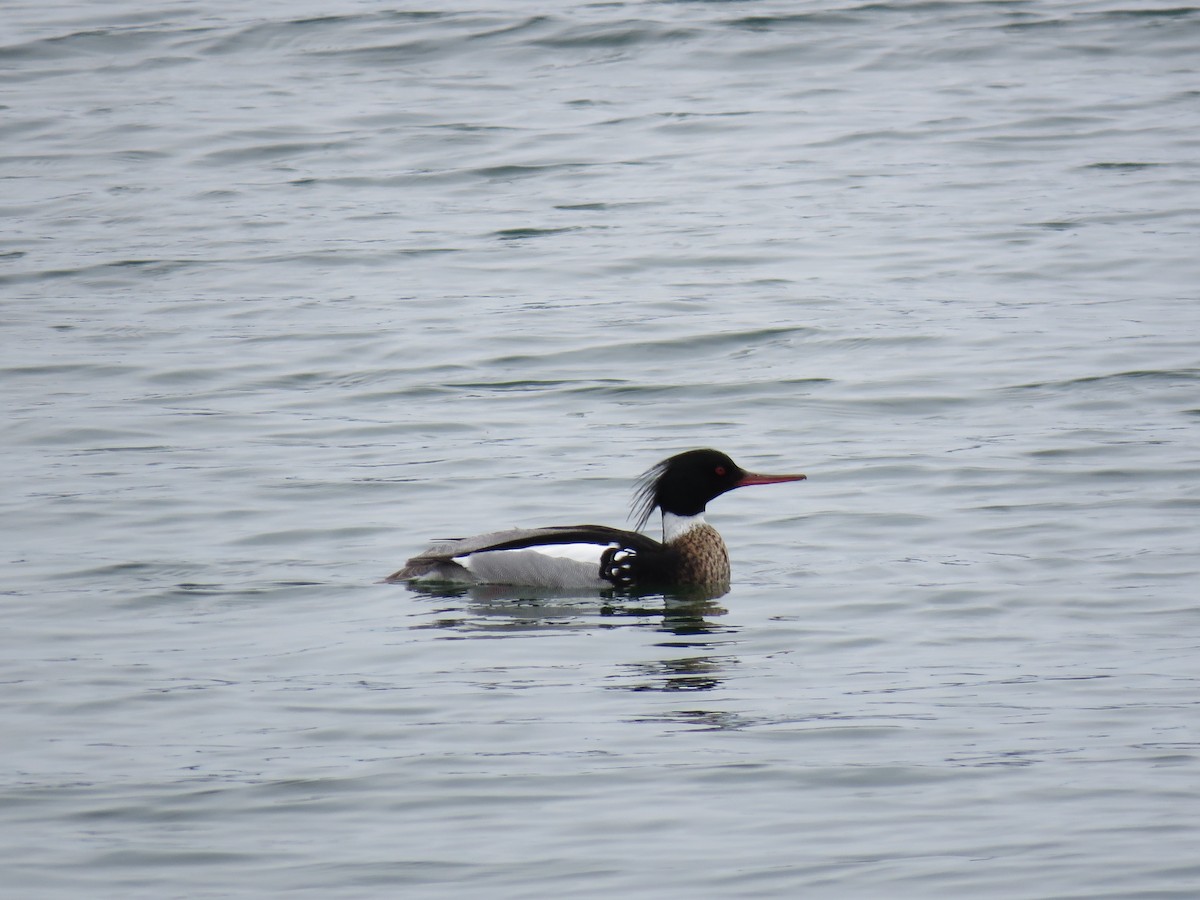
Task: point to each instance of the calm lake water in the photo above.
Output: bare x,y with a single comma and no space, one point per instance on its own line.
290,288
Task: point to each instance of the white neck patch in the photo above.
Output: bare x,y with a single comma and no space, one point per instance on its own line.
675,527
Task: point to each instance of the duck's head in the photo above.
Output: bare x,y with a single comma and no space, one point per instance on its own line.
683,484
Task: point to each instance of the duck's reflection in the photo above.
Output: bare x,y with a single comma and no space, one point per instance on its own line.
686,619
488,607
690,673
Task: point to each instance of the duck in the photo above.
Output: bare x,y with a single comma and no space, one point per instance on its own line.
691,554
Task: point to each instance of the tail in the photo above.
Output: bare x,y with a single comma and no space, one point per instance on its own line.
425,568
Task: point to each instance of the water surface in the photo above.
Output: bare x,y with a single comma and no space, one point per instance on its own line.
290,289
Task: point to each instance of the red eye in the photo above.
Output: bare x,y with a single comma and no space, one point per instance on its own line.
720,470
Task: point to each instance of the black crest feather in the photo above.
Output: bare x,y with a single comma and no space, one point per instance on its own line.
645,497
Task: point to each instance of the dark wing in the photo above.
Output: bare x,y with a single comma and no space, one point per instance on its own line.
444,552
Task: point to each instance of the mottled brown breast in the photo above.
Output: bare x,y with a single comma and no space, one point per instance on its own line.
702,558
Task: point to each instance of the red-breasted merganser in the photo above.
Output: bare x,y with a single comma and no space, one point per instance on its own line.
691,554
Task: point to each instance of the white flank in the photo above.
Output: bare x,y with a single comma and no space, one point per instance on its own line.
553,565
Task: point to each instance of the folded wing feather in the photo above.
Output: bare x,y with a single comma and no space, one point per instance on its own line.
530,556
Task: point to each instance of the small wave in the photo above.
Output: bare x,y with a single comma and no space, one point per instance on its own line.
1169,375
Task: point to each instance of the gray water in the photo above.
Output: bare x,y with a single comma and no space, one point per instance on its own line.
290,288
